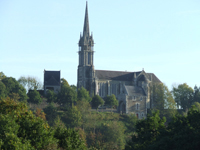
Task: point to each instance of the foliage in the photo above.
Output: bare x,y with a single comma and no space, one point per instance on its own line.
85,110
2,75
69,139
111,101
40,113
30,83
183,95
66,96
34,97
72,117
161,97
146,132
113,135
83,94
64,82
2,90
12,86
74,87
22,127
97,101
51,113
196,95
51,96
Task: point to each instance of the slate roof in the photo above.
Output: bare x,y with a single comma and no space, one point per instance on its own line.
134,91
115,75
122,75
52,78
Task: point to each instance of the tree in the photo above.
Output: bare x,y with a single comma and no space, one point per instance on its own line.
97,101
30,83
21,129
147,132
12,86
34,97
2,90
161,97
196,95
64,82
85,110
111,101
113,135
183,95
83,94
66,96
2,75
69,139
72,117
51,113
51,96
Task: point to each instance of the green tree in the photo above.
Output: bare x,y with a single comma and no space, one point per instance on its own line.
51,96
147,132
161,97
69,139
66,96
97,101
2,75
83,94
111,101
12,86
30,83
2,90
64,82
51,113
181,133
113,136
183,96
85,110
72,117
34,97
21,129
196,95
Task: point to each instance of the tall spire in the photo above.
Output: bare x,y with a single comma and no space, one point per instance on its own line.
86,31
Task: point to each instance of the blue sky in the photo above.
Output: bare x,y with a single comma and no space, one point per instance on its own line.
160,36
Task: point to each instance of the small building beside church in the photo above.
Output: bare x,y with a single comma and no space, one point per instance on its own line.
130,88
52,81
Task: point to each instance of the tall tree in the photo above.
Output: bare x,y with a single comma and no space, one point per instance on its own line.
111,101
83,94
30,83
12,86
161,97
183,95
97,101
147,132
72,117
34,97
196,95
66,96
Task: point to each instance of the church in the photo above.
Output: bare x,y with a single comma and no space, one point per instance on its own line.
130,88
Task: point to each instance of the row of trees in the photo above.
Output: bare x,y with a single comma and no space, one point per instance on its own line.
182,133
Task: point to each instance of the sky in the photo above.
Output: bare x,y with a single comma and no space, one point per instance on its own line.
161,36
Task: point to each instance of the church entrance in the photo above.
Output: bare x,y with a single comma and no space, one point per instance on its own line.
122,107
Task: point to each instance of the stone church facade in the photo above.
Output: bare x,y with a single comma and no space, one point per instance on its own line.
130,88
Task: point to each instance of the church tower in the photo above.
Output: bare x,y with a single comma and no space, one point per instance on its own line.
85,67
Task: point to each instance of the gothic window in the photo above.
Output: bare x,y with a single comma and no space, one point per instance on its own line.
137,106
89,58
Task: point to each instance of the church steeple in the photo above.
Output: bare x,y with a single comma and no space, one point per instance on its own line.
86,39
86,30
86,71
